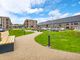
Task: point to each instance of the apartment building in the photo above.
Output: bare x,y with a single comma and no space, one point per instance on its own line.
72,22
5,23
30,23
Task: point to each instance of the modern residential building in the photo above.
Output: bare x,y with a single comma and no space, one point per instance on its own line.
5,23
30,23
72,22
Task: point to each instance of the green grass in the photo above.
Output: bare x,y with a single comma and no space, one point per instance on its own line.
18,32
64,40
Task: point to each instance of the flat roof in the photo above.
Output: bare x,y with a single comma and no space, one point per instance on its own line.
62,20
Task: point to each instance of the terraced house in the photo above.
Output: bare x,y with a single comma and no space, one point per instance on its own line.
30,23
72,22
5,23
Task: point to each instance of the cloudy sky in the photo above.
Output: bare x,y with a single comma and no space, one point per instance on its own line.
41,10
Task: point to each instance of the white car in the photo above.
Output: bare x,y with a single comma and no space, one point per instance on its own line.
2,30
57,29
43,28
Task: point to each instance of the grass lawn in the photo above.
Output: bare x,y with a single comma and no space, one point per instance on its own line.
64,40
18,32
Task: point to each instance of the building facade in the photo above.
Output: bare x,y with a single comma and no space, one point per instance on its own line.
72,22
5,23
17,26
30,23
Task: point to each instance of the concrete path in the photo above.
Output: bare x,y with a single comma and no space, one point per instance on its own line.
27,49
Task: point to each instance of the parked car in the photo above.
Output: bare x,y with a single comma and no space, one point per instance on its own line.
57,29
44,29
61,29
2,30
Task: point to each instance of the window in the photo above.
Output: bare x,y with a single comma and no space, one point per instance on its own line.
71,23
76,23
0,24
67,24
67,27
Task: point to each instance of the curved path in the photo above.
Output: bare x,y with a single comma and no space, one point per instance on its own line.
27,49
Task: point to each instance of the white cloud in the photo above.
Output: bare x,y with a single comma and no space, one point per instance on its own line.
64,15
17,20
37,1
19,6
56,14
78,13
36,10
3,12
43,19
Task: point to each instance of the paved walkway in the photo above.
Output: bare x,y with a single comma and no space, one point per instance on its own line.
27,49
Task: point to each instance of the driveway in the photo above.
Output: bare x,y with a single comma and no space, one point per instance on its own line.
27,49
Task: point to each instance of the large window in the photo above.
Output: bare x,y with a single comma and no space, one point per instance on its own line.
0,25
67,23
67,27
71,23
75,23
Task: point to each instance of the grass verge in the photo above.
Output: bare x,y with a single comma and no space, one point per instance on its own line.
64,40
18,32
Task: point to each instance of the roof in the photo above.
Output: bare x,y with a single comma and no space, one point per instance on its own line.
3,17
62,20
30,20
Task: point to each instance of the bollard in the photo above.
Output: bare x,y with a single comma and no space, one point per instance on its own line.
48,40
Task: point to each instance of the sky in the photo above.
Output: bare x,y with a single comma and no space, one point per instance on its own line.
40,10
